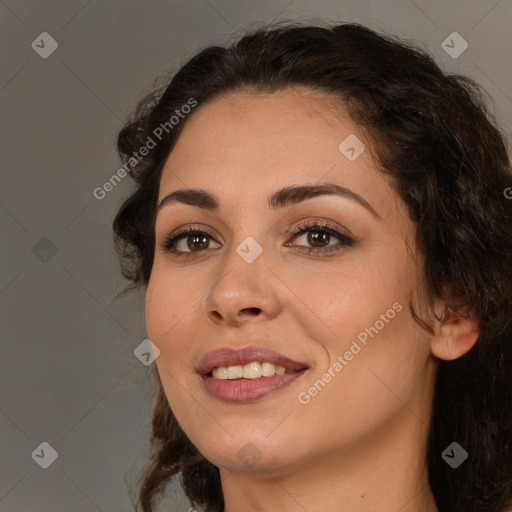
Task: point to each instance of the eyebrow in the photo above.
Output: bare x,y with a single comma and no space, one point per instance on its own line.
286,196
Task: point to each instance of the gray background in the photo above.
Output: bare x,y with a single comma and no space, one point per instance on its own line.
68,374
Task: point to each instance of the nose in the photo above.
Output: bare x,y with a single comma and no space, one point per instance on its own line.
242,292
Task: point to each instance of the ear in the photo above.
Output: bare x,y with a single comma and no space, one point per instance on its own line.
455,335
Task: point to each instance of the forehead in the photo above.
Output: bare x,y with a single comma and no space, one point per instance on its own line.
290,114
253,141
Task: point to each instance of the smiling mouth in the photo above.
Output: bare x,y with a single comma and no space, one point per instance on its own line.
248,374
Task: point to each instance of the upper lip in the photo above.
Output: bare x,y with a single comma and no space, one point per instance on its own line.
235,357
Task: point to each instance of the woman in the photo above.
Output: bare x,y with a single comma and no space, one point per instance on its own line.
321,229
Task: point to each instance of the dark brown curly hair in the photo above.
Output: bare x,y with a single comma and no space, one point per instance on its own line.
434,135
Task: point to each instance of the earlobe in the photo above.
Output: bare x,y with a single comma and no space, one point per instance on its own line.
455,335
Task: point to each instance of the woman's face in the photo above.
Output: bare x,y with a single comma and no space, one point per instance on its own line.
247,282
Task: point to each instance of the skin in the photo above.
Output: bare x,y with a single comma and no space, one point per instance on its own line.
359,444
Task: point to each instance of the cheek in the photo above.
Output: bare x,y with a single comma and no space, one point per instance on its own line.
166,308
169,299
173,308
365,303
157,310
341,303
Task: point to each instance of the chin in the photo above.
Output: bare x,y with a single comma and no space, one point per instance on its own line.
249,459
247,452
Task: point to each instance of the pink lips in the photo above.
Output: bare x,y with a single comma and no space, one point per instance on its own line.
246,390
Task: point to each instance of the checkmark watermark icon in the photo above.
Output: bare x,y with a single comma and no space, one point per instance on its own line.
44,45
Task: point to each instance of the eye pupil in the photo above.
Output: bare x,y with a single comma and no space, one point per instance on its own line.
313,237
202,245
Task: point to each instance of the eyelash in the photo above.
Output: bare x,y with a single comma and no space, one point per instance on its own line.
299,231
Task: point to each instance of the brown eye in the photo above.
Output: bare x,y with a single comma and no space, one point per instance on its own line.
319,236
196,241
192,241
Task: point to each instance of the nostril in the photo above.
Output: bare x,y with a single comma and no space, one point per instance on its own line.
252,311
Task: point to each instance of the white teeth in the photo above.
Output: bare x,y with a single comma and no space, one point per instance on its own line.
235,372
221,372
268,369
253,370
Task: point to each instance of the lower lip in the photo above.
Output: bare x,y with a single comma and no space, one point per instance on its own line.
248,390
